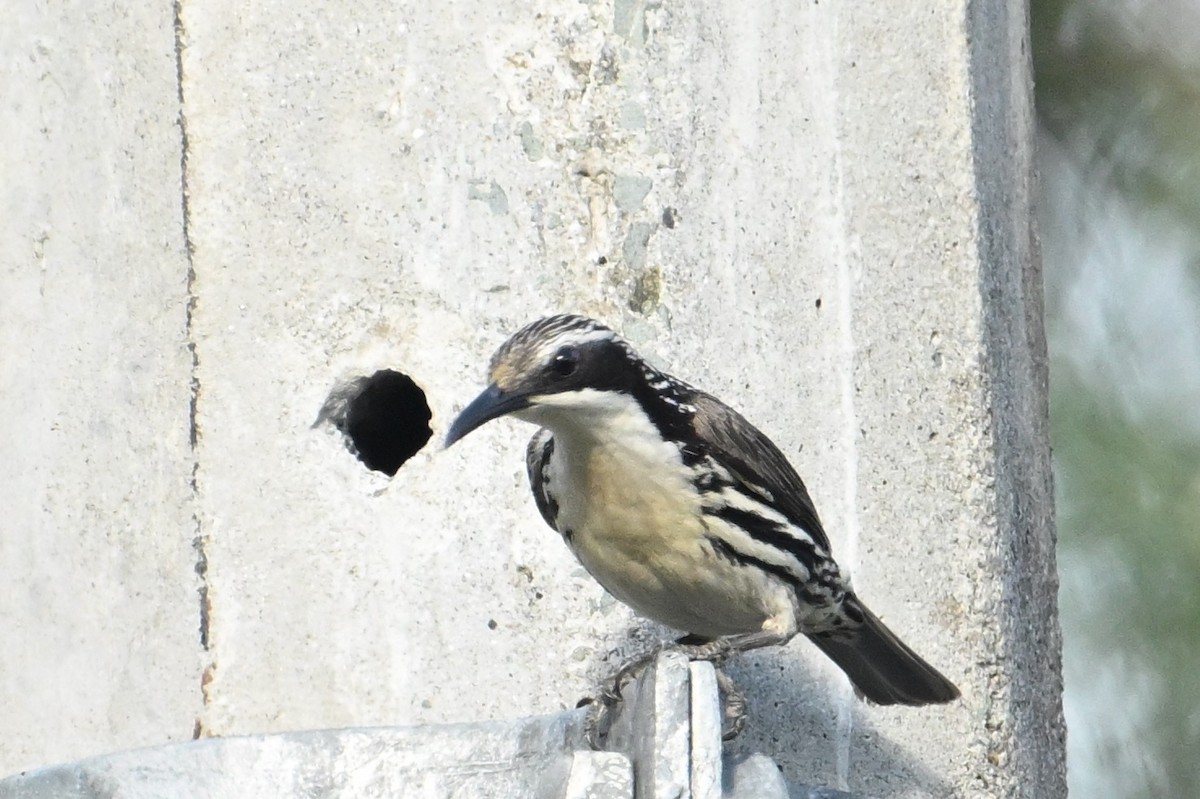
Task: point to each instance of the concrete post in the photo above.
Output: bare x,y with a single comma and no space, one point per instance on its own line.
674,750
818,211
98,606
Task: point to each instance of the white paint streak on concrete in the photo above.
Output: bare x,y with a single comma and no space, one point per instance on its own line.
847,553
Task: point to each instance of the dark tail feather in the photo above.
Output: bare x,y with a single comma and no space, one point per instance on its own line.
882,667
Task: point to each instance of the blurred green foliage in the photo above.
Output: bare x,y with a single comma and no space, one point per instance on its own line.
1112,83
1118,93
1130,556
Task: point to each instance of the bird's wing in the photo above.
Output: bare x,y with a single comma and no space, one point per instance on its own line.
537,457
755,462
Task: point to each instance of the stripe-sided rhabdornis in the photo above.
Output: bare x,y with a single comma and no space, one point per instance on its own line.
681,508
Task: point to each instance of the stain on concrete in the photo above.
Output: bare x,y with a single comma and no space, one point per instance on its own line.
490,193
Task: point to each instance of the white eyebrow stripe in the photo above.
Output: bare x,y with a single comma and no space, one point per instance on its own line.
575,337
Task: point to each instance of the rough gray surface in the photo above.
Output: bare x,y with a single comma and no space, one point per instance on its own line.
599,775
99,615
817,211
533,758
653,728
1027,728
806,792
529,758
705,716
756,777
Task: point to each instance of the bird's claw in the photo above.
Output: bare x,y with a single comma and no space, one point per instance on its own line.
610,691
735,707
596,723
608,695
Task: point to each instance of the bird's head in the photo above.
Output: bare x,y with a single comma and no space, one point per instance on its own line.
558,371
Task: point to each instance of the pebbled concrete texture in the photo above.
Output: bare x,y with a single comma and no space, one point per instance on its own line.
502,759
819,212
98,606
538,757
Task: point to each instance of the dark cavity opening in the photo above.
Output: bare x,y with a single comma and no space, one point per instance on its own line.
384,417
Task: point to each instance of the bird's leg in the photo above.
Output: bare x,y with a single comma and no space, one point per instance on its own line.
735,707
629,671
608,694
719,650
716,651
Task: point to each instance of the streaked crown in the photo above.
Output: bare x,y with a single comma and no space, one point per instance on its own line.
536,344
566,353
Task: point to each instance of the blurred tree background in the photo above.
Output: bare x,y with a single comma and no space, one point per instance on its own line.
1118,99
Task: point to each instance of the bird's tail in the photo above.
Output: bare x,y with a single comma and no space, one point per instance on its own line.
881,666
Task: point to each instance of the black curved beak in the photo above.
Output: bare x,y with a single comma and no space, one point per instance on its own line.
491,404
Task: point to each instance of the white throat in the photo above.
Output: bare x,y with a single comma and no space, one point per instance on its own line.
589,418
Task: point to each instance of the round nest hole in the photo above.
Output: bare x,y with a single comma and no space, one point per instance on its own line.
384,417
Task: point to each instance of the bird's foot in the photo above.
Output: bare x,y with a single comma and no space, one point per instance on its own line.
608,695
597,721
630,671
734,706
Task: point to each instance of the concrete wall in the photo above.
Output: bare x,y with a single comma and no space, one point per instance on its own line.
98,607
818,211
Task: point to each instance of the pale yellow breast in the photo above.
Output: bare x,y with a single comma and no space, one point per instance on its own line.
633,499
627,506
636,528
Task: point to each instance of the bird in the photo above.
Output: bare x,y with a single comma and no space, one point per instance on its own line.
682,509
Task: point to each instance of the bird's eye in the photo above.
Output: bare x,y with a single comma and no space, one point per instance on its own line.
565,361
